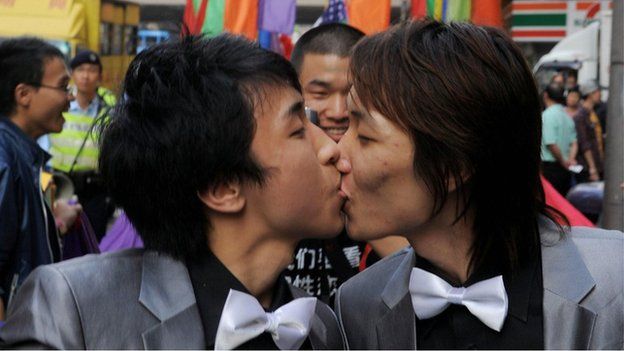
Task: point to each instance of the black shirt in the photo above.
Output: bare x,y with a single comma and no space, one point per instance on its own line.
320,266
212,282
457,328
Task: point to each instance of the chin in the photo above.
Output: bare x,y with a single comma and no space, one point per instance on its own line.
360,234
331,231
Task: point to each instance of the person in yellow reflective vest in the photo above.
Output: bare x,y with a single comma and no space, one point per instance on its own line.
75,150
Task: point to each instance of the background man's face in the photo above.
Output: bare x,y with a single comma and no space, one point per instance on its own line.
301,193
325,90
86,77
45,111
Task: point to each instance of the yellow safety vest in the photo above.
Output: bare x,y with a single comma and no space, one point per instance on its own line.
67,149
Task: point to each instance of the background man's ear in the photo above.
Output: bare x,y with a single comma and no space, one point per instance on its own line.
224,198
23,94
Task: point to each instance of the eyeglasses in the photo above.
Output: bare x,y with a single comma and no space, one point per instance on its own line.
67,89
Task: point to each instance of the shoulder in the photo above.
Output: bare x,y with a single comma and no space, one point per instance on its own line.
601,250
88,275
62,305
103,262
367,286
7,146
107,95
549,112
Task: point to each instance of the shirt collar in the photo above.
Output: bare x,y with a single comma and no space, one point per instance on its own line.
212,282
91,110
556,107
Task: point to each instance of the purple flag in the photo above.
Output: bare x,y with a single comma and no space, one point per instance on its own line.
277,16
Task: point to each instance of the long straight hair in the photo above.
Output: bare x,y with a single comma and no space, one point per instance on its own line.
467,98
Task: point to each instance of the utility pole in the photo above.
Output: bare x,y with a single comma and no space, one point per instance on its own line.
405,9
613,202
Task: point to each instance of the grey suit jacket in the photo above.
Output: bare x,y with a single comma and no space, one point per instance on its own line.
132,299
583,295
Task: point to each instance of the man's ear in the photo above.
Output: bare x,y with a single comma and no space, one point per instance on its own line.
224,198
23,94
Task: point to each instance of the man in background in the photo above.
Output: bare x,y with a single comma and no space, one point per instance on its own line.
34,93
559,146
321,57
75,150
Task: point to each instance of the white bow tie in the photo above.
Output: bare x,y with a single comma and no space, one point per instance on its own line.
243,319
486,300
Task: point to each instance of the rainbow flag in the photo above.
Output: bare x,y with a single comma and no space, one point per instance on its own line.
245,17
442,10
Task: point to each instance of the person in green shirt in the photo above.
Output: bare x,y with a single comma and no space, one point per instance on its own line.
559,146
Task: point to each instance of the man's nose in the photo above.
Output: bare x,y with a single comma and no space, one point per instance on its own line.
344,164
326,149
337,110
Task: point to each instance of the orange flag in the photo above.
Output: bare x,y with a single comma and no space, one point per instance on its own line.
369,16
241,17
487,13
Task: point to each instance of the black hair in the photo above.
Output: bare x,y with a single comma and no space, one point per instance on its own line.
328,39
22,60
185,123
457,89
556,92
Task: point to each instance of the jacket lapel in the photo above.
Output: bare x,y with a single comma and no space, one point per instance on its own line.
166,291
320,337
396,329
567,325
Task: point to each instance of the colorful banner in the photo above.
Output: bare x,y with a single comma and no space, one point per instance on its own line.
216,16
442,10
277,16
369,16
241,17
551,21
335,12
487,13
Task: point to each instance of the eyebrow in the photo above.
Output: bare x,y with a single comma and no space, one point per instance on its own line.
319,83
295,110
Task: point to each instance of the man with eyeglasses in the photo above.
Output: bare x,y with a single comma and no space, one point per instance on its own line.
75,151
34,94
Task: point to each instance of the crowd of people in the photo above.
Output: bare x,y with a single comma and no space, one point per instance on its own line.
349,198
574,125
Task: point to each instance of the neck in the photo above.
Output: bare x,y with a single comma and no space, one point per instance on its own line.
20,121
84,98
445,244
589,105
549,103
254,257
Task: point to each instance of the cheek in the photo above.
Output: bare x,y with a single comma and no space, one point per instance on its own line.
297,176
371,171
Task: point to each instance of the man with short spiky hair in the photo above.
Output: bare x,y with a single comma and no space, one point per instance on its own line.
212,158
